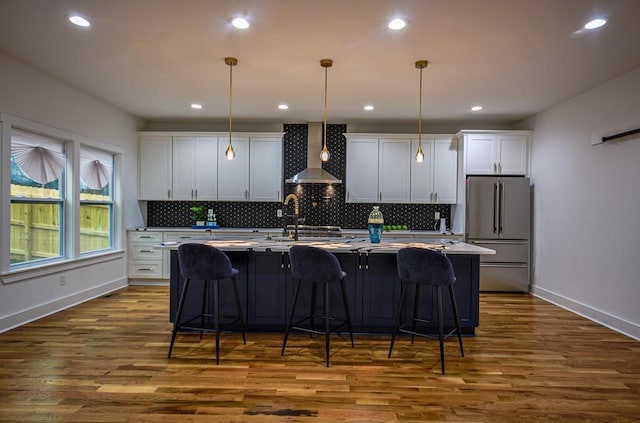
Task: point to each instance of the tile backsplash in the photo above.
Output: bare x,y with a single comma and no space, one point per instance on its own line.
320,204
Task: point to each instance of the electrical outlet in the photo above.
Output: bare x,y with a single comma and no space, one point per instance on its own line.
436,216
279,213
63,280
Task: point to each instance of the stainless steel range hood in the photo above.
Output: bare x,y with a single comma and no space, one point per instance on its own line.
314,174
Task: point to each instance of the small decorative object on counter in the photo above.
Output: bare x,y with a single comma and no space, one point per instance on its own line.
198,215
211,218
375,222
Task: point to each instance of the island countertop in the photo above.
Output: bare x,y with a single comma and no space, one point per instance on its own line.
338,245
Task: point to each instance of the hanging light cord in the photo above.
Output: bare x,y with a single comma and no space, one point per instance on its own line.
420,64
231,61
324,154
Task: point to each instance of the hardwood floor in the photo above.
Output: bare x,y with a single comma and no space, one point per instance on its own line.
106,361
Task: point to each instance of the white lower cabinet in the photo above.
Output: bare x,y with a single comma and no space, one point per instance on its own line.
145,262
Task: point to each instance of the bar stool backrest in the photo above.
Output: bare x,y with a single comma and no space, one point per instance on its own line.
204,262
314,264
425,267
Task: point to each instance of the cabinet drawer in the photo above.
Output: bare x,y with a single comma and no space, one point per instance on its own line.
184,236
505,252
144,251
144,236
151,270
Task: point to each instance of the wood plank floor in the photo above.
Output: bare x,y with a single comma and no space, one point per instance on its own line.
105,361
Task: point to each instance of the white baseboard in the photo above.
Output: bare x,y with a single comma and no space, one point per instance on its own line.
18,319
615,323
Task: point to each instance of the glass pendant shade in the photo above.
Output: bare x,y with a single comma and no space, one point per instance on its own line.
324,154
230,154
419,154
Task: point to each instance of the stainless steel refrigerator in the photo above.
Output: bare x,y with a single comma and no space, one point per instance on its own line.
498,211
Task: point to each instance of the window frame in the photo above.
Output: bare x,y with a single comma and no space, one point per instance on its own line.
70,232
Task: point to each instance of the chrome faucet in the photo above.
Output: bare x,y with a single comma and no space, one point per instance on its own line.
296,212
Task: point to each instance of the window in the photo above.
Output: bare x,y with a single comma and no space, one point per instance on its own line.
38,165
96,199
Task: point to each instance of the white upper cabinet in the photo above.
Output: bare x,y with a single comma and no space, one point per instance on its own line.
233,180
378,168
195,168
496,152
265,172
435,179
394,171
155,157
256,172
362,170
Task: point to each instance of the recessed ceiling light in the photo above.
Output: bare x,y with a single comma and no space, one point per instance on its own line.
196,106
368,107
79,21
397,24
595,23
283,107
476,108
240,23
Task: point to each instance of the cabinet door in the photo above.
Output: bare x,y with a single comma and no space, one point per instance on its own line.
206,169
266,169
480,154
233,175
394,177
380,291
445,171
512,151
154,168
362,170
183,169
267,290
422,173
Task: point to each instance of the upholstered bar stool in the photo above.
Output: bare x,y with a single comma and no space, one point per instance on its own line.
207,264
420,266
318,267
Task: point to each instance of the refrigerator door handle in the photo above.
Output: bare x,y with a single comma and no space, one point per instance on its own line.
501,210
495,207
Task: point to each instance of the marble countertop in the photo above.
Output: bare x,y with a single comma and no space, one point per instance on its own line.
348,233
338,245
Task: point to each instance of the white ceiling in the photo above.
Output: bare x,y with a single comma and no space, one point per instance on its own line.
153,58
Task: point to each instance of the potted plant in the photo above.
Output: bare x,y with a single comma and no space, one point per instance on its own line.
199,215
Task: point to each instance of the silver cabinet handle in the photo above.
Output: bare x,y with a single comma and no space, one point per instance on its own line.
145,251
380,194
169,194
436,196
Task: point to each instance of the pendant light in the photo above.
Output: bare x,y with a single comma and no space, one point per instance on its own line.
420,64
231,61
324,154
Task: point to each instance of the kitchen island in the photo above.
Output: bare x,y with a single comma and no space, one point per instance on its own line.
266,285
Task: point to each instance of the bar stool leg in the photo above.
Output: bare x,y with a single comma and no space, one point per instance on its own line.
440,326
293,309
312,308
216,312
238,308
205,302
346,310
455,314
327,309
416,301
178,316
396,325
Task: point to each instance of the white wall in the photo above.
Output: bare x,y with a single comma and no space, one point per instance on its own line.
587,205
30,94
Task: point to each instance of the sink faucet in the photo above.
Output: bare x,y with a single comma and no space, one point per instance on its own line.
296,204
296,212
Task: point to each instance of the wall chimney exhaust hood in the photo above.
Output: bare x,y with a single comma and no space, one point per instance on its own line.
314,174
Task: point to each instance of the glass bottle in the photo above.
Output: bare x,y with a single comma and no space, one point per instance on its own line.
374,224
